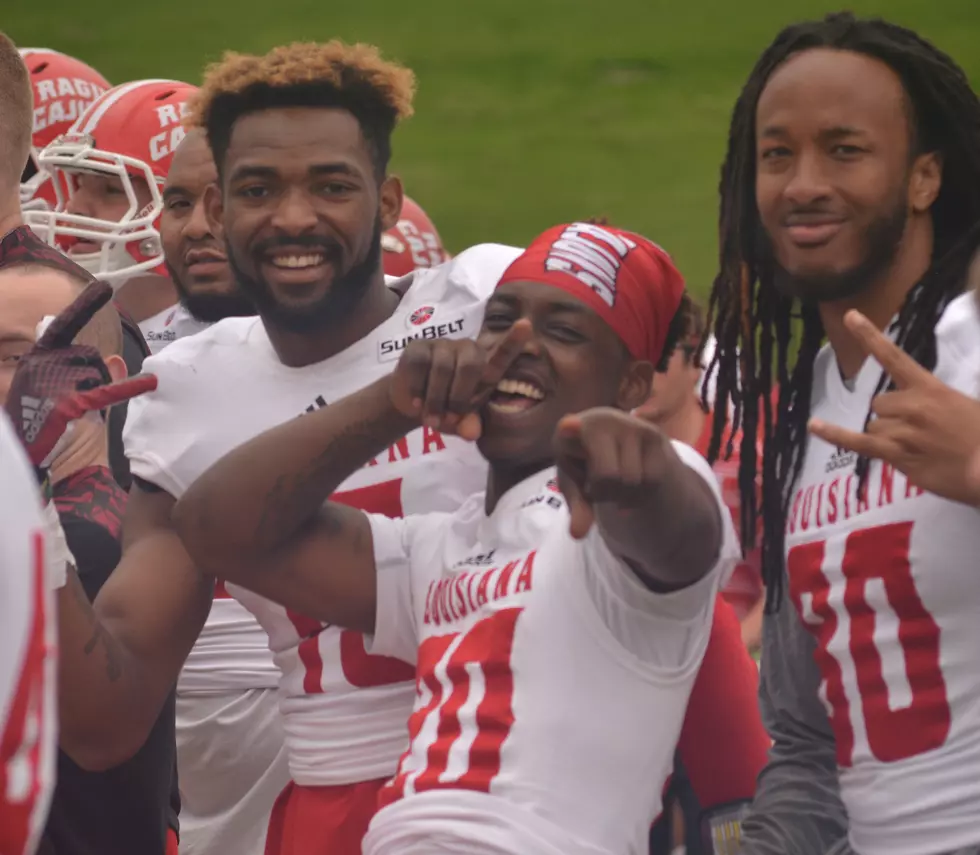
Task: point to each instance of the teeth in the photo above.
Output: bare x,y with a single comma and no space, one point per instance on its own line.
518,387
509,406
294,261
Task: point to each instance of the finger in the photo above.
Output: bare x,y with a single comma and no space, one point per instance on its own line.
904,370
470,362
580,513
867,445
505,352
470,427
905,403
631,455
103,397
973,471
69,322
568,438
442,366
415,364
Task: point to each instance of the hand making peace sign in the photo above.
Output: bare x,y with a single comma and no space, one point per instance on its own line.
923,428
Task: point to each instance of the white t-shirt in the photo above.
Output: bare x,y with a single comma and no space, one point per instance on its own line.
166,327
552,684
889,586
344,711
28,644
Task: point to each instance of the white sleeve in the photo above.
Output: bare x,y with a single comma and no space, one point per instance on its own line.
395,632
156,434
664,631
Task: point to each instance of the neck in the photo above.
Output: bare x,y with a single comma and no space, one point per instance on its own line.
10,219
881,300
503,476
298,349
87,448
686,424
145,296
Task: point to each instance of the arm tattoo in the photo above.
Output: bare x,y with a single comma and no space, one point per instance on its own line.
99,638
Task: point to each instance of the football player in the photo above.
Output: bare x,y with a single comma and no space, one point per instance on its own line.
551,618
113,162
64,87
853,182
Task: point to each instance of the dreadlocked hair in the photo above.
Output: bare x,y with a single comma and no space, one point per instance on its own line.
753,322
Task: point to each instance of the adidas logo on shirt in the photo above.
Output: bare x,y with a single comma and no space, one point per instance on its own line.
840,459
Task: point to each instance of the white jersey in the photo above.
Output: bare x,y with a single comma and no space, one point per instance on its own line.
28,711
344,711
166,327
887,582
552,685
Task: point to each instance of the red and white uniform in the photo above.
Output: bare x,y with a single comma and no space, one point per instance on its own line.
28,711
344,711
552,684
166,327
887,582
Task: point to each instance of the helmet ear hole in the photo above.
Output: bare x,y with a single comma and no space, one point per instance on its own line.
150,247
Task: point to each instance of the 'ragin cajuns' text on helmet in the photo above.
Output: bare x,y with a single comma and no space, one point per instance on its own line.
127,137
412,242
63,89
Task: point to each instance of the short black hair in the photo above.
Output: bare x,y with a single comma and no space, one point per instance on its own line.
355,78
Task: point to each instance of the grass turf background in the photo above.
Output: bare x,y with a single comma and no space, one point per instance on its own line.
529,112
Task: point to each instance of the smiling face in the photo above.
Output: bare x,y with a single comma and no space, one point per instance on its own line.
836,182
195,257
301,212
572,362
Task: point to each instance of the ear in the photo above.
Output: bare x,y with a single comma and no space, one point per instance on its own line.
634,388
926,181
214,210
390,201
117,368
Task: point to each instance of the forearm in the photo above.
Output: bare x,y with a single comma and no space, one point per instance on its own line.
100,690
121,656
258,497
673,537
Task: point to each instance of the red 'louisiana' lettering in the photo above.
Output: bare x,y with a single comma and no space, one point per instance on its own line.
819,505
426,441
457,597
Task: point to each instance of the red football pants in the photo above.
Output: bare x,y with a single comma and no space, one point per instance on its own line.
322,820
171,842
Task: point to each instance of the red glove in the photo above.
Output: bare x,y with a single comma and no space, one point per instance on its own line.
57,382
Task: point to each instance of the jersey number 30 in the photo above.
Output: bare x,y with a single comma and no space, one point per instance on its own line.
877,555
465,710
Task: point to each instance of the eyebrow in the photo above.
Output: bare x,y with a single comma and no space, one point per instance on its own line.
170,192
570,306
15,338
836,132
272,172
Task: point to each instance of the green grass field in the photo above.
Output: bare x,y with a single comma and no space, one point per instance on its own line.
529,112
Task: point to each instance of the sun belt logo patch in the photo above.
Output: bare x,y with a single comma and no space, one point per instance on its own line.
421,315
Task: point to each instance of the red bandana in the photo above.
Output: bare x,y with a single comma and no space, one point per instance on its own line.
627,280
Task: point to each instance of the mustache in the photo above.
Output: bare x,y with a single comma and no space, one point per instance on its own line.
329,247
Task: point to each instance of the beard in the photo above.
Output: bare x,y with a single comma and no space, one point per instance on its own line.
881,241
209,308
333,308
